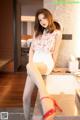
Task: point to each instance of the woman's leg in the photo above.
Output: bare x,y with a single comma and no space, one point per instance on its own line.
36,77
29,85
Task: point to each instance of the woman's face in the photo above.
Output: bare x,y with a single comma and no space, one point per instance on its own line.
43,20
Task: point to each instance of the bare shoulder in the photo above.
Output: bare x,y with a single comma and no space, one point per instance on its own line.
58,33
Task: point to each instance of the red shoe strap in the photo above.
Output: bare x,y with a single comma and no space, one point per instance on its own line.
47,114
54,102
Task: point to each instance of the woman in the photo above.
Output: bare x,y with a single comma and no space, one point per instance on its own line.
42,58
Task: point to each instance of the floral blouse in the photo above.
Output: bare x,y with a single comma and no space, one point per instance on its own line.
46,41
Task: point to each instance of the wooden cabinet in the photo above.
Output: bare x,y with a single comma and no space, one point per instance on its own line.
10,48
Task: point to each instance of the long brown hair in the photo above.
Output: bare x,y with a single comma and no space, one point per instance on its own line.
57,25
37,27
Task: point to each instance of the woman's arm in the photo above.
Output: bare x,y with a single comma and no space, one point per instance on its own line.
55,52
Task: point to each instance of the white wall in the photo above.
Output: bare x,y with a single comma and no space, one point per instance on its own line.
69,18
30,9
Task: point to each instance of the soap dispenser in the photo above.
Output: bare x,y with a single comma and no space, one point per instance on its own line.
73,64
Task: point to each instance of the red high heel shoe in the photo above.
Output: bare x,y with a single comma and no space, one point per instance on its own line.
51,111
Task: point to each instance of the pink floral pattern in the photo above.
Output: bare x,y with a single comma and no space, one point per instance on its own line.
45,42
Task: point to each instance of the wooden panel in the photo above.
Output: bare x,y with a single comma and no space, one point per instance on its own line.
6,35
67,36
11,89
3,62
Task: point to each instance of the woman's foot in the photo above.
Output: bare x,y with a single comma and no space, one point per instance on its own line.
49,115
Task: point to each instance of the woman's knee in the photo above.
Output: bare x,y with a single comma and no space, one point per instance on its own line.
30,68
27,66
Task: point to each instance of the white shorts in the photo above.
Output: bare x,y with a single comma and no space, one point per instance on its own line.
46,58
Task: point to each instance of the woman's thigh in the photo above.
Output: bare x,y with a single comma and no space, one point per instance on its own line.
42,68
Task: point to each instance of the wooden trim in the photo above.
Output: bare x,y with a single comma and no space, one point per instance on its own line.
15,35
